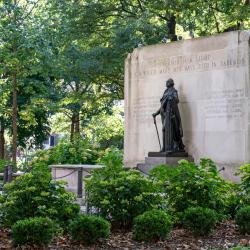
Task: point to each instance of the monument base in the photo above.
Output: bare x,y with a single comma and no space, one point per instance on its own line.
168,154
158,158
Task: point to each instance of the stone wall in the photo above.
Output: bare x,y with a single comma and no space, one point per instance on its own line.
211,75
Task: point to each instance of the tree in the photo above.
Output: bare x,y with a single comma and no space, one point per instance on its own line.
100,34
24,53
106,130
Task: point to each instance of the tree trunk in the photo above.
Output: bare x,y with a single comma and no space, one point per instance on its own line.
72,128
14,119
77,123
77,112
14,103
2,141
171,25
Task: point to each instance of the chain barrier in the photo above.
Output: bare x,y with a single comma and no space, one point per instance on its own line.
60,177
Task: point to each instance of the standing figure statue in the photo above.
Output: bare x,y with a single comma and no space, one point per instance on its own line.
171,120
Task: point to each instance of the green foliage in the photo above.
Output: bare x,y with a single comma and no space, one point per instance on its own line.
240,248
35,194
242,219
78,151
89,228
244,172
119,194
112,159
107,130
199,220
189,185
68,57
38,230
25,53
152,225
3,163
163,172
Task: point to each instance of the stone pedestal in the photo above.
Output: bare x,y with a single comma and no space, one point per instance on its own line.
168,154
157,158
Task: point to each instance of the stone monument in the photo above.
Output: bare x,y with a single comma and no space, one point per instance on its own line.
211,75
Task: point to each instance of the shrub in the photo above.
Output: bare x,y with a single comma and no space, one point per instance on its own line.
78,151
89,228
191,185
200,221
152,225
244,172
37,230
121,195
35,194
3,163
242,219
112,158
163,173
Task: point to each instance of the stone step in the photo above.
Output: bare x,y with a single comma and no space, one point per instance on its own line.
170,161
152,162
144,168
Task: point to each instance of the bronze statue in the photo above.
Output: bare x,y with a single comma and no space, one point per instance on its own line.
171,120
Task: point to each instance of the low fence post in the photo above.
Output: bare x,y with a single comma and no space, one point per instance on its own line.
5,175
8,172
79,184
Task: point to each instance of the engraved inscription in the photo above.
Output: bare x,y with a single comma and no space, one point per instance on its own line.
232,108
226,103
214,60
144,108
226,93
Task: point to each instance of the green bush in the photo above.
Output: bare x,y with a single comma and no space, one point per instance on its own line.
191,185
78,151
37,230
244,172
35,194
163,173
199,220
3,163
89,228
152,225
120,195
242,219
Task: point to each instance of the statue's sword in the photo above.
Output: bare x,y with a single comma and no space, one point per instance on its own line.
157,132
